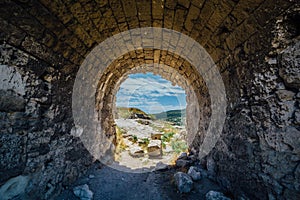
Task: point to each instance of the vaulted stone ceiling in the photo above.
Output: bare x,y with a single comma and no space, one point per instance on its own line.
254,43
63,32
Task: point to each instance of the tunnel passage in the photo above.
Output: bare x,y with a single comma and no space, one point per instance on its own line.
176,70
95,65
254,45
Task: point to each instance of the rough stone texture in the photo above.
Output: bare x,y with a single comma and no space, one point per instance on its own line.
213,195
34,137
170,69
14,187
194,174
289,66
10,79
83,192
183,182
258,154
254,44
10,101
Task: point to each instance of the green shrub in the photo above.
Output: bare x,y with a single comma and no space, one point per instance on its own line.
146,141
135,138
166,137
179,146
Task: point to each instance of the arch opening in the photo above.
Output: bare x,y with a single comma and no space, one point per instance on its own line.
150,121
178,71
107,64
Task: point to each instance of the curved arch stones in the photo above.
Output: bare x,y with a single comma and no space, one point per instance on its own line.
86,117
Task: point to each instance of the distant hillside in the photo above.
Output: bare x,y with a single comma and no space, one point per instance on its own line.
174,116
131,113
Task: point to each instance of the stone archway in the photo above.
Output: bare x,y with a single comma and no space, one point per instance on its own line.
202,74
106,106
254,45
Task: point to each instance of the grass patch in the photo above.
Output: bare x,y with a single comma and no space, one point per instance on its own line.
166,137
179,146
121,146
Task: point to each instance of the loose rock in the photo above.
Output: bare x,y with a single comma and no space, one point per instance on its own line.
83,192
182,163
160,166
136,151
285,95
213,195
154,148
194,174
183,182
183,156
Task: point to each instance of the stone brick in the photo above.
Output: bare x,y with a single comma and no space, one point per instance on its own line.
191,17
170,4
244,8
116,6
198,3
157,9
206,12
222,11
258,148
184,3
179,19
168,18
129,8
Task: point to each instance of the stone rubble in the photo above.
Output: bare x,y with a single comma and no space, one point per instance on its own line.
213,195
194,174
83,192
160,166
183,182
154,148
136,151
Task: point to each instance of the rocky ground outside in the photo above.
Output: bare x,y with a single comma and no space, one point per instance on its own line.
142,143
158,146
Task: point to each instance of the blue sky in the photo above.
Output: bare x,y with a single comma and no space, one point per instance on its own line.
151,93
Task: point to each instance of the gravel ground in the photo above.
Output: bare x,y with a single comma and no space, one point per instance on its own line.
111,184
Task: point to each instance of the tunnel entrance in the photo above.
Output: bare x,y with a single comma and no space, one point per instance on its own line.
129,109
150,119
188,66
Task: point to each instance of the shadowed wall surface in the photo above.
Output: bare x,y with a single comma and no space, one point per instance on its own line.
255,45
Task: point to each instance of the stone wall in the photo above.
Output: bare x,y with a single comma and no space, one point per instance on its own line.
38,155
178,71
171,67
254,44
258,155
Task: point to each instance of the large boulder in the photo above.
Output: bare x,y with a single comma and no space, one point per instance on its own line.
183,182
136,151
154,148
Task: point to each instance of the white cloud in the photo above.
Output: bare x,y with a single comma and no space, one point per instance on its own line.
149,87
146,92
